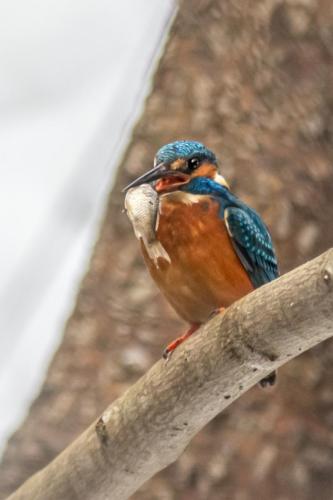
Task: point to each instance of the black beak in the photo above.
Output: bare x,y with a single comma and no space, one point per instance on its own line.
161,170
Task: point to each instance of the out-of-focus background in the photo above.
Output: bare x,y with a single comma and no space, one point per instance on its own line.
72,83
254,81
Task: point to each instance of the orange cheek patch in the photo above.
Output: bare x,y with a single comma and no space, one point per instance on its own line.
205,170
178,164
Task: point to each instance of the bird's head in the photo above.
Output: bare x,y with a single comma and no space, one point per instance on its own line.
177,163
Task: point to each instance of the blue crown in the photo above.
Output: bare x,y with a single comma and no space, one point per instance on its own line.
183,149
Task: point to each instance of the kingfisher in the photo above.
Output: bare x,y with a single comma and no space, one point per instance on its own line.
211,248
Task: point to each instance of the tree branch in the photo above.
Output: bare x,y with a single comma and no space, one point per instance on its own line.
150,425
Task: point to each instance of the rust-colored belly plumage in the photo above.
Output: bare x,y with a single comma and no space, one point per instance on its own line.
204,273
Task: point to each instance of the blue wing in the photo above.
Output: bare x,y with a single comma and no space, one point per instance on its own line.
252,243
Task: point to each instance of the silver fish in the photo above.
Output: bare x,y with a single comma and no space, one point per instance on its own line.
142,207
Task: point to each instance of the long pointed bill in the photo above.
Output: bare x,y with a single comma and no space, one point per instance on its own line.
160,171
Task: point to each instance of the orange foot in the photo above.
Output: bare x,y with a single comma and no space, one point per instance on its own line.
172,346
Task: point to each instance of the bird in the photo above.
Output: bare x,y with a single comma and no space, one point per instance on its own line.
216,249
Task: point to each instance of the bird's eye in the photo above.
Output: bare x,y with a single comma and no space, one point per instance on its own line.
193,163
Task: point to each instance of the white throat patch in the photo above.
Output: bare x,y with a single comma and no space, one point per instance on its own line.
182,197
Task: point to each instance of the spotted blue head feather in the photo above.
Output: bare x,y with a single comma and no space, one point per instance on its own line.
184,149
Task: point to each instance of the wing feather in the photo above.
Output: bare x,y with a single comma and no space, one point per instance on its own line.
252,243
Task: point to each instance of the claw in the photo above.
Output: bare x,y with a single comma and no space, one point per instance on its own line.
268,381
215,312
173,345
166,354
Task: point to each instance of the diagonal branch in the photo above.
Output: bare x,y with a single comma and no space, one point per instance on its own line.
150,425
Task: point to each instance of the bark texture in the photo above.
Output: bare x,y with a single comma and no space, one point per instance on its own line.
149,426
254,81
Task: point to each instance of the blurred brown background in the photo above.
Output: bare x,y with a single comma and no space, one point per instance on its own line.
254,82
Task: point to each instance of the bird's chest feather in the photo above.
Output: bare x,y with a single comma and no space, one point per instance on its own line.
203,272
185,220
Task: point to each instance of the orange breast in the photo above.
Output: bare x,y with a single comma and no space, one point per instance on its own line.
205,272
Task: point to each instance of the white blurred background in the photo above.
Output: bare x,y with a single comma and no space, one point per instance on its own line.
73,77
